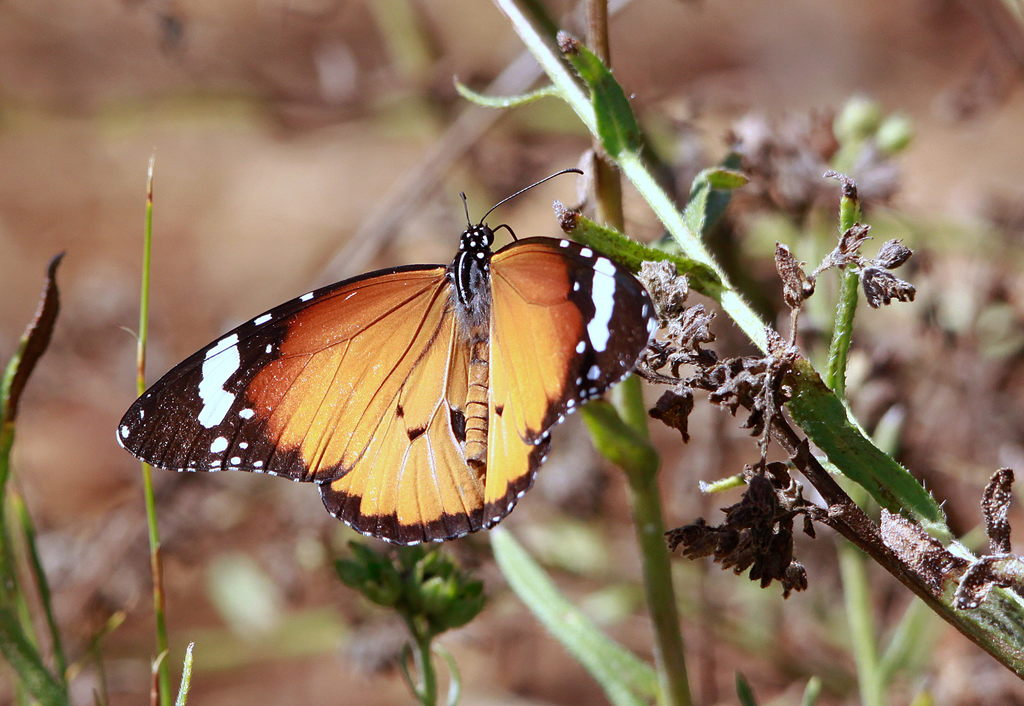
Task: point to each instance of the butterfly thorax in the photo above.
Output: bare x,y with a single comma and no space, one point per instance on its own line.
471,277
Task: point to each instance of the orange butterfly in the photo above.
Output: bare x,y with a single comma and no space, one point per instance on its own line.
418,398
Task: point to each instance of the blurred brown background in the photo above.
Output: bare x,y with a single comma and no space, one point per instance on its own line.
301,142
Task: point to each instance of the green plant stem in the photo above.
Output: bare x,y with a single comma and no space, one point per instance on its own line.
155,561
846,307
692,246
645,506
644,493
626,679
842,332
8,581
852,562
427,689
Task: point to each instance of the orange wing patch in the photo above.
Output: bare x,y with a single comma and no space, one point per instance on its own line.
414,483
565,325
341,365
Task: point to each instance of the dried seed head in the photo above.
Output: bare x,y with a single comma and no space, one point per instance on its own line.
849,185
881,287
673,409
796,285
1003,570
795,579
568,218
757,533
567,44
667,288
853,238
893,254
995,505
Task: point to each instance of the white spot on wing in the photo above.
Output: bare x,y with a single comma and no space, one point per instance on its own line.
594,373
603,293
269,348
563,243
243,445
218,445
587,252
222,360
581,346
262,319
306,297
246,413
124,432
235,460
257,464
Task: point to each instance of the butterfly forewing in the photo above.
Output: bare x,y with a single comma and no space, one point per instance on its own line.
565,325
260,397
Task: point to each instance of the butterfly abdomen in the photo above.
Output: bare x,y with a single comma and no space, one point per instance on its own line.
476,403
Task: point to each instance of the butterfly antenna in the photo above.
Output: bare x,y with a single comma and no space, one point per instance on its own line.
571,170
465,206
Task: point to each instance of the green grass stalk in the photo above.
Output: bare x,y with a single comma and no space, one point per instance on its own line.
859,616
155,562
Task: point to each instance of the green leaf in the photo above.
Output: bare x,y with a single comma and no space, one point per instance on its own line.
32,345
351,573
616,125
825,419
632,254
35,564
709,195
186,677
625,678
743,691
503,101
25,660
812,691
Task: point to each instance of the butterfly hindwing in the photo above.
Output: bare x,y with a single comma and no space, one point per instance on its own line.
565,325
415,484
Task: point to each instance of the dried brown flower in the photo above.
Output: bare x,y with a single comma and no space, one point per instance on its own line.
757,533
881,287
673,409
1000,567
893,254
796,285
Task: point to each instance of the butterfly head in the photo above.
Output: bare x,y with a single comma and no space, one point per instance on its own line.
476,238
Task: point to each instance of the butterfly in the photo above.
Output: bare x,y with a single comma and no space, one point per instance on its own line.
418,398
